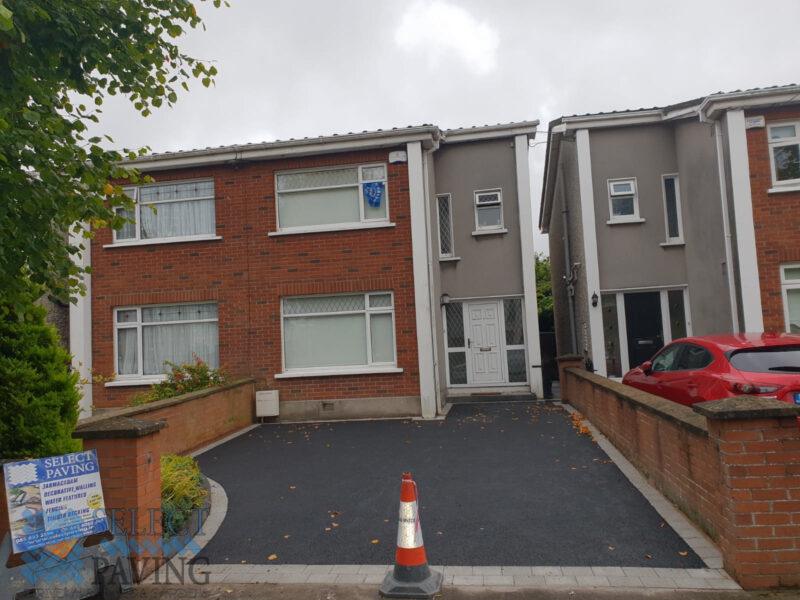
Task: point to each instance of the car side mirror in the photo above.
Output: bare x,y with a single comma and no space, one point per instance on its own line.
647,367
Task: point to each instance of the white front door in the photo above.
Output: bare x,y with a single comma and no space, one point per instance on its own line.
483,345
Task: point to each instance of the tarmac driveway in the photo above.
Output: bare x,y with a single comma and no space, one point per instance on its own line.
499,484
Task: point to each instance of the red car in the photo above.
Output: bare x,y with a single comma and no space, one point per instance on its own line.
709,367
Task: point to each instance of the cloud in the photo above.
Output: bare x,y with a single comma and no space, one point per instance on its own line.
440,29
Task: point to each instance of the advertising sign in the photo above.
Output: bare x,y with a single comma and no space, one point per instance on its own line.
54,499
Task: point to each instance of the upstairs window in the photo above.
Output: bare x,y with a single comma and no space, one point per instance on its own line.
784,152
325,198
445,214
169,211
672,209
623,200
488,210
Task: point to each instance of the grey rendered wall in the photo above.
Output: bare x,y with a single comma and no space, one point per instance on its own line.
567,189
701,211
629,255
490,264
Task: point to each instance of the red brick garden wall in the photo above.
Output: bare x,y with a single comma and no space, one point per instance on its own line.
734,470
247,272
776,218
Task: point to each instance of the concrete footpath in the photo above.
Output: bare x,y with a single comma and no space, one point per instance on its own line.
449,592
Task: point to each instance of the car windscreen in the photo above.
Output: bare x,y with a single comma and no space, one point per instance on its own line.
777,359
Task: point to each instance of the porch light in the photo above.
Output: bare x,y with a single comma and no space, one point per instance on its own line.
594,299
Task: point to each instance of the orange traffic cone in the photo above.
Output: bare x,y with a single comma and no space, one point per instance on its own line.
411,577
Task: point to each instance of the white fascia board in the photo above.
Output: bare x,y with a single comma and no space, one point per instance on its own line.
80,328
743,218
590,251
272,150
422,296
713,106
528,128
613,120
528,265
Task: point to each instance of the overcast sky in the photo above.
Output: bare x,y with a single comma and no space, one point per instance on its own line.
296,68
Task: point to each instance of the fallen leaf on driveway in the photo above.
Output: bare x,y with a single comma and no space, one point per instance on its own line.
374,542
683,553
647,556
292,487
287,536
335,524
272,557
611,547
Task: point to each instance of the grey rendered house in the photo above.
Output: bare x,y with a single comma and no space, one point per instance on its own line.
483,262
651,229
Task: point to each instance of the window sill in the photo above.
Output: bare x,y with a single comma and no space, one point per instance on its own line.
668,244
174,240
449,258
782,189
135,382
625,221
337,371
338,227
490,231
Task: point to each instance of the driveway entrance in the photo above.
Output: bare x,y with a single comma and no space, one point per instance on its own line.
499,484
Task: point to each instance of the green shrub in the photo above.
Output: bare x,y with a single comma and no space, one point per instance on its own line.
181,491
182,379
38,393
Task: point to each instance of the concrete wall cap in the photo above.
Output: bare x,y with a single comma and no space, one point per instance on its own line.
746,407
118,427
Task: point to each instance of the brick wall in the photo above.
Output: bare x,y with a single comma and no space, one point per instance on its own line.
247,272
730,465
776,218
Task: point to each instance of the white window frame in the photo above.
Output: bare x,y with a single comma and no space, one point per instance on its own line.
676,240
363,222
134,194
371,366
480,205
779,142
140,378
786,285
449,225
633,218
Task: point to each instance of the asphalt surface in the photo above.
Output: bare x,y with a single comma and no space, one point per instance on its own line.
499,484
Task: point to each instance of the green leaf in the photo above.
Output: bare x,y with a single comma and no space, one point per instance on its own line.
6,19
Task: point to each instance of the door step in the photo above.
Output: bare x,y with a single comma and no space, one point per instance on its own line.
481,398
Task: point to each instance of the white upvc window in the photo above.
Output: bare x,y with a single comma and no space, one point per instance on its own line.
784,152
790,289
444,206
337,197
338,333
177,210
623,200
672,208
488,210
145,337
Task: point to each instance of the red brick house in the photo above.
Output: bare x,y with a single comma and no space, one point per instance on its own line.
763,151
311,265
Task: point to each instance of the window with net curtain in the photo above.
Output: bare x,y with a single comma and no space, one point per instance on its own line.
169,210
337,196
148,336
348,330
